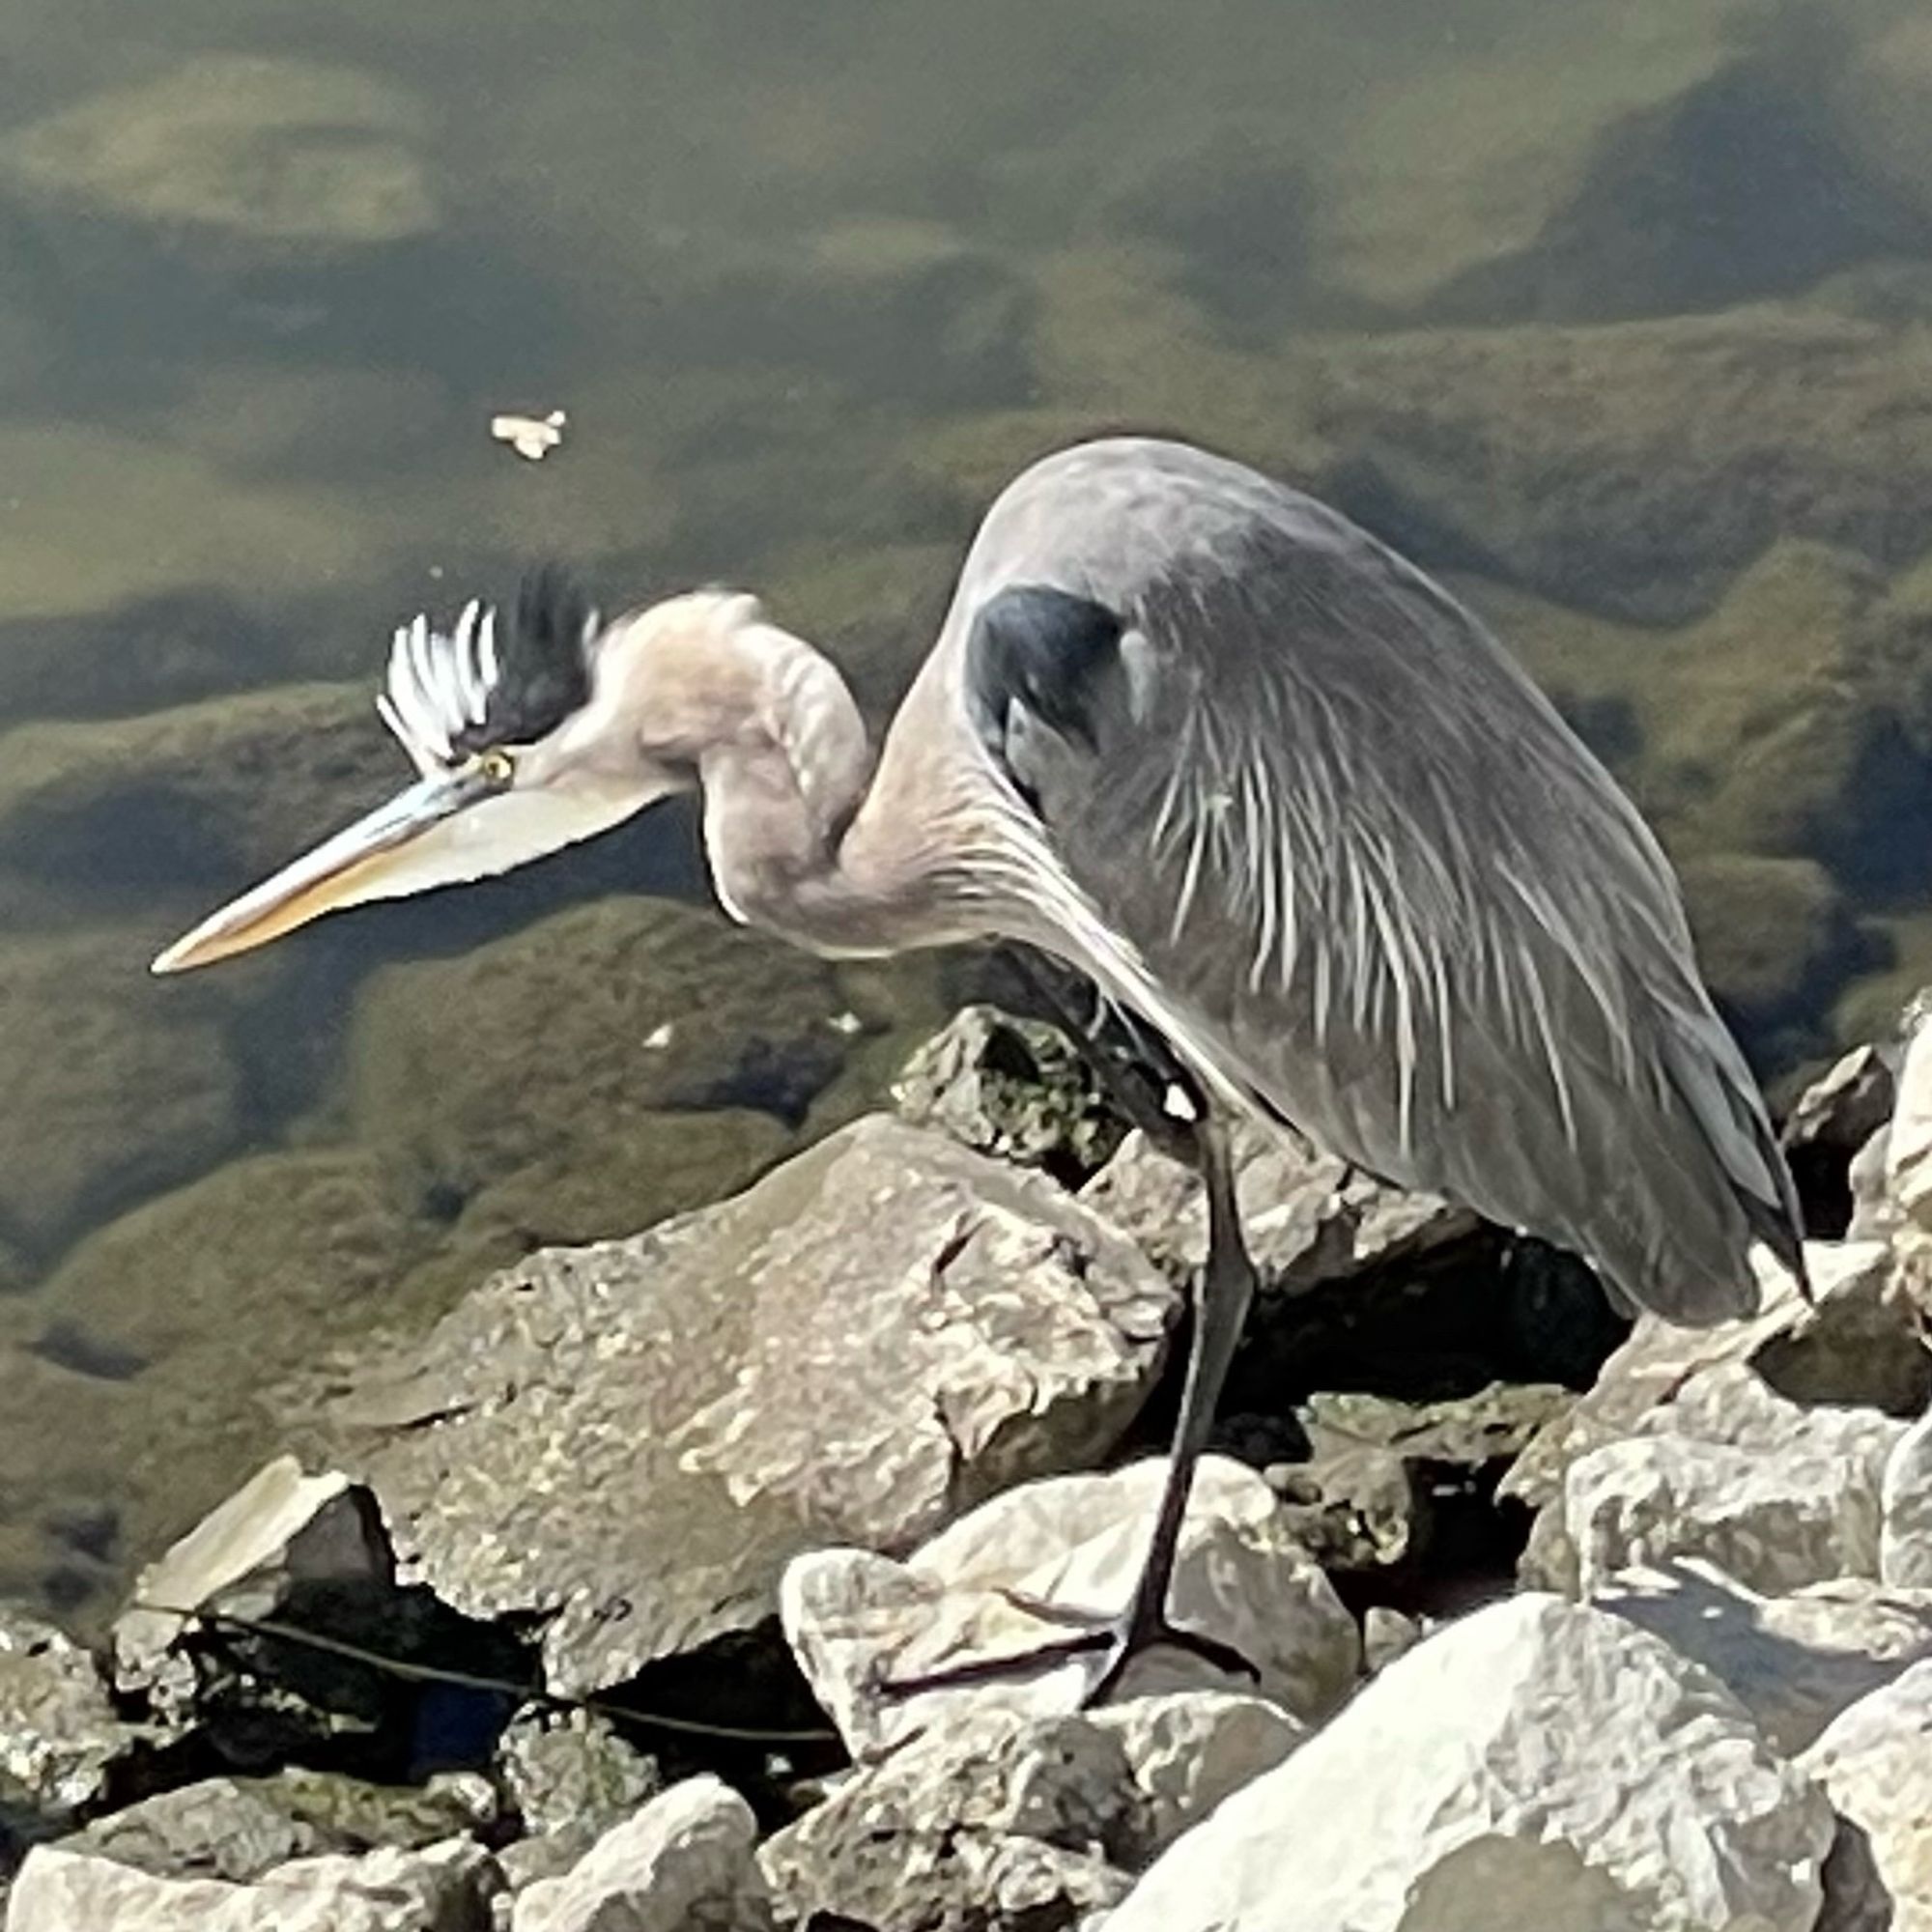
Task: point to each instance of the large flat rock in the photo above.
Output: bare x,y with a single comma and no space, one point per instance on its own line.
634,1437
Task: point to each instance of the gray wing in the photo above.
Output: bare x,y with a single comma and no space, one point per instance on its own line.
1378,882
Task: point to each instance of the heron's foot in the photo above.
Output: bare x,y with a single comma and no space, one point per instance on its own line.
1118,1636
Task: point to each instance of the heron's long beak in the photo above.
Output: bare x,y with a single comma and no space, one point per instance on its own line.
399,848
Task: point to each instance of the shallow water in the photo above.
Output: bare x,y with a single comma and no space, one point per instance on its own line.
1619,318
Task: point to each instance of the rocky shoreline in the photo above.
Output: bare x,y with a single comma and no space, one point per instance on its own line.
1558,1621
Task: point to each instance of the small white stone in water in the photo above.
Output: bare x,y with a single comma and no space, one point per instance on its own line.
848,1023
1176,1104
530,437
658,1037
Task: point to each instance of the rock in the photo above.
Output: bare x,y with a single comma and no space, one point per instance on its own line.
177,648
109,1097
1014,1089
241,1828
632,1440
281,1530
215,1293
1794,1661
1828,1129
684,1861
1858,1347
1882,102
853,1618
270,154
202,1644
994,1820
599,1019
571,1777
1386,1635
1621,469
1534,1764
1776,1495
1309,1217
1187,1750
1875,1763
1905,1529
1908,1157
1376,1469
61,1739
206,796
444,1888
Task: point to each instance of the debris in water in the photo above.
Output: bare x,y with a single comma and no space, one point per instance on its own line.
531,436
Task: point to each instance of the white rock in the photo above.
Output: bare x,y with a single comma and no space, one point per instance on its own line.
1795,1661
1905,1509
853,1618
1537,1765
1858,1346
995,1821
685,1860
1778,1495
1875,1763
1908,1151
442,1888
1775,1523
1189,1749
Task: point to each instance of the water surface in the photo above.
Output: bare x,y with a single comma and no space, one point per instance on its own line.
1619,318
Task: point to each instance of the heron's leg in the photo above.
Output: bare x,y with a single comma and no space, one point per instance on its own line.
1222,1293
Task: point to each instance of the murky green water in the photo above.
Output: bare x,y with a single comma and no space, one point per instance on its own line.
1619,317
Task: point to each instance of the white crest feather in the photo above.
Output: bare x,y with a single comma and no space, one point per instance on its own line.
439,684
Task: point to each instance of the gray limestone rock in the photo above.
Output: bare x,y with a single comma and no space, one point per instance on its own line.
446,1888
1794,1661
1015,1089
1905,1502
1534,1764
1776,1494
1875,1765
995,1820
1309,1217
683,1863
571,1777
633,1438
1858,1347
1074,1542
60,1738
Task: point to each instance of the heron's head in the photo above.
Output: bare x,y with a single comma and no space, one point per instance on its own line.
530,726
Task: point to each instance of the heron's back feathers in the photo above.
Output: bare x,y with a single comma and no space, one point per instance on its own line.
1372,881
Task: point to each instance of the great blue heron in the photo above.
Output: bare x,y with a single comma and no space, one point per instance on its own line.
1289,806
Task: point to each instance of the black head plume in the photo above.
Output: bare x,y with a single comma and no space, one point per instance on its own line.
501,676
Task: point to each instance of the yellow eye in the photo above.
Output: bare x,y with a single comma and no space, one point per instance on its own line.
498,766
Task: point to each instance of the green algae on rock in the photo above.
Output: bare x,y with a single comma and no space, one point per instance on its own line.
269,152
226,790
107,1099
583,1028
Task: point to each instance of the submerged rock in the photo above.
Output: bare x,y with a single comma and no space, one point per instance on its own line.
855,1619
1535,1764
268,151
684,1861
598,1020
633,1438
107,1099
201,796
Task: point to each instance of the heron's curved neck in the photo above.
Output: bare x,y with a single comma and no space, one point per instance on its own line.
808,833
